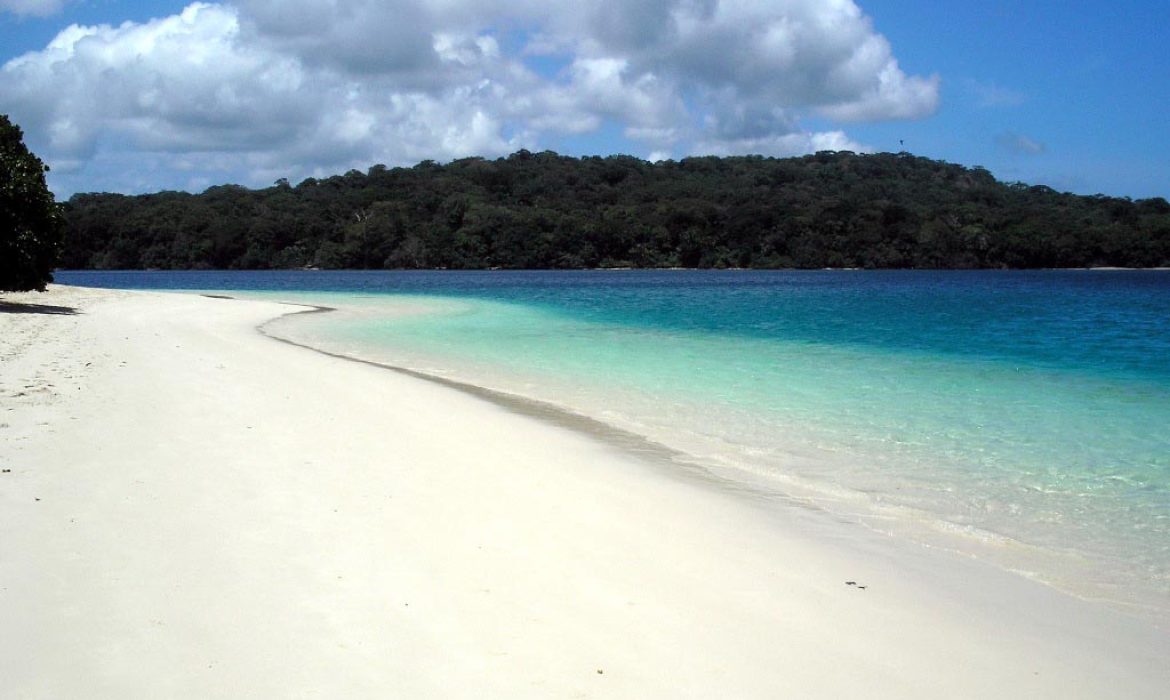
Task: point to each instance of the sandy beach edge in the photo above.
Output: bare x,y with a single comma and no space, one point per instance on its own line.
191,509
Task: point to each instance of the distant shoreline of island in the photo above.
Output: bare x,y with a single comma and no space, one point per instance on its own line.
835,210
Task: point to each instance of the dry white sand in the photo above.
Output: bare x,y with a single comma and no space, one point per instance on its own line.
194,510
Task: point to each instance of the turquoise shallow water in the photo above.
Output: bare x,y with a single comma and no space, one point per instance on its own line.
1021,416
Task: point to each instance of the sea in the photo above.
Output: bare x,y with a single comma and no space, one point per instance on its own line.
1020,417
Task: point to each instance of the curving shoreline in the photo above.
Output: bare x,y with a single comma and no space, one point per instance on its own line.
1103,574
220,515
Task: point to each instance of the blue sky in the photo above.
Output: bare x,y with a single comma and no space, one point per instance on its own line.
141,96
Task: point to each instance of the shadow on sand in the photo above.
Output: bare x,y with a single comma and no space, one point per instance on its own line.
12,307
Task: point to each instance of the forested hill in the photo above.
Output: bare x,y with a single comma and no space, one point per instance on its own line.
548,211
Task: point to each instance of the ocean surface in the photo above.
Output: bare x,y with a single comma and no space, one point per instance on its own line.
1022,417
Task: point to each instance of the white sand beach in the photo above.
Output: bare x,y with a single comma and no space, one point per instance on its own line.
190,509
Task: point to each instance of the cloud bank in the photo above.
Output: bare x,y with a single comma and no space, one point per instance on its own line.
261,89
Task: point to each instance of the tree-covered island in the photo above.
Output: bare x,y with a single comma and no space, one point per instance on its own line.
543,210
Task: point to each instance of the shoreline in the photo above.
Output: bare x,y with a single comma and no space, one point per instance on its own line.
536,409
220,515
1064,568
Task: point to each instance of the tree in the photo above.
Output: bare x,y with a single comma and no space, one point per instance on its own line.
31,225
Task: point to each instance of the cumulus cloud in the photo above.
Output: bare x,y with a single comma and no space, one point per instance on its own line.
300,87
183,83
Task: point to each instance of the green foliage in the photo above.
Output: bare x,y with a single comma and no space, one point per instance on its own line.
31,226
542,210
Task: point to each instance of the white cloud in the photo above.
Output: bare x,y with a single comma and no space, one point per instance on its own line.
35,8
183,83
780,145
299,87
891,96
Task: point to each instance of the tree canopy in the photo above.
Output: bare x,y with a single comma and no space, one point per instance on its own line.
543,210
31,225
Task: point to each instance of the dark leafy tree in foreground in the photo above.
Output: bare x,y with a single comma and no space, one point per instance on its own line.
542,210
31,225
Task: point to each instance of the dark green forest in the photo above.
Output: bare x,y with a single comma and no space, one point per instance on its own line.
31,227
543,210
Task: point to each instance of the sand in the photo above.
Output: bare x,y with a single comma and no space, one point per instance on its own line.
189,509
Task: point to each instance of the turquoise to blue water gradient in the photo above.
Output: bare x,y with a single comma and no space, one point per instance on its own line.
1022,410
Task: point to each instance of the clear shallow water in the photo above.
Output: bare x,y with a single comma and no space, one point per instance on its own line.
1022,416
